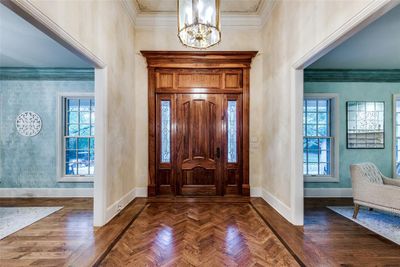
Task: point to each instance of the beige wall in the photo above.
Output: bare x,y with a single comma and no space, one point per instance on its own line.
294,28
166,39
105,29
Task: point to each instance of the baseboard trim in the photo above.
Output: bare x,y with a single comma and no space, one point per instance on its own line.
141,191
120,204
45,192
255,191
328,192
278,205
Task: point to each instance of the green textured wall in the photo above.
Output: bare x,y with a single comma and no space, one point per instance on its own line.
362,91
30,162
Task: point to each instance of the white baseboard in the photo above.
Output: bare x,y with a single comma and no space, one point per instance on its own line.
141,191
255,191
328,192
278,205
120,204
45,192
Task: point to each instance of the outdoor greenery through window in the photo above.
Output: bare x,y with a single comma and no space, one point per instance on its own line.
79,136
317,143
397,145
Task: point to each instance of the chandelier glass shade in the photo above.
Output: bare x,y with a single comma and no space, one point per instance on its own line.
199,23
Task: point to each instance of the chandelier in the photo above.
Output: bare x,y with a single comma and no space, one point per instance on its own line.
199,23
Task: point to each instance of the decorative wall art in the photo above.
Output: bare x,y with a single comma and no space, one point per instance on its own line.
365,124
28,123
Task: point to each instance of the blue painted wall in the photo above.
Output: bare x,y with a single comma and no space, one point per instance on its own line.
30,162
362,91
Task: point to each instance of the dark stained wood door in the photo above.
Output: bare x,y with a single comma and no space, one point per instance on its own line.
199,144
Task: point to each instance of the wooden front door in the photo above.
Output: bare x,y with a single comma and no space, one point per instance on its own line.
199,144
198,122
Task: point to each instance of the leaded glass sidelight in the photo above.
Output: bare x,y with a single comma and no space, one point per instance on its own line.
165,131
232,131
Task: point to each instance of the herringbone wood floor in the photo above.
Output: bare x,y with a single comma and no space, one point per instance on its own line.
193,234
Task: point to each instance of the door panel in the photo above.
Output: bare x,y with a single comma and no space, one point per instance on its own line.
199,137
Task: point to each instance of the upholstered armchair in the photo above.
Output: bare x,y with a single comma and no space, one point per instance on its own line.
374,190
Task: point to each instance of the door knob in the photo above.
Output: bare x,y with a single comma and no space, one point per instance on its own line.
218,154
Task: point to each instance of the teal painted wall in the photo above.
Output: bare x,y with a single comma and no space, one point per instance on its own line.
362,91
30,162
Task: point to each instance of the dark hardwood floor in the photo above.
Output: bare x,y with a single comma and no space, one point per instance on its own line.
199,234
199,229
329,239
66,237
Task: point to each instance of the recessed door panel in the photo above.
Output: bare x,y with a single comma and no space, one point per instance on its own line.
199,133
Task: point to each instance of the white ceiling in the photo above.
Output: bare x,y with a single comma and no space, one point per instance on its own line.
227,6
23,45
375,47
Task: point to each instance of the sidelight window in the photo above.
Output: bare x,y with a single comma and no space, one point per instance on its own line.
232,131
165,131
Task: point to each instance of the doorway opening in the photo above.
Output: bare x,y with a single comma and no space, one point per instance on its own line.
199,123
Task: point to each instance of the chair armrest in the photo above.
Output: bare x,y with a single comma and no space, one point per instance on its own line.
390,181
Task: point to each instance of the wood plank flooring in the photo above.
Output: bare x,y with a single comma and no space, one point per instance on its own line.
66,237
199,234
221,231
329,239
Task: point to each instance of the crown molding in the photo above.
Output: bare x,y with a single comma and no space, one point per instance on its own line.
168,19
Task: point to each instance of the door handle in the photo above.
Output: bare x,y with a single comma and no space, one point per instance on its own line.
218,154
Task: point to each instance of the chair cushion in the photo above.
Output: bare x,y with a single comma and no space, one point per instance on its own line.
371,172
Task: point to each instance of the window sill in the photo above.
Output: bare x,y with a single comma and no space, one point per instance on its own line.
76,179
320,179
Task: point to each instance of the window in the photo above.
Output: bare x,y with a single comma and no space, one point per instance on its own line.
396,145
318,142
232,132
165,131
78,136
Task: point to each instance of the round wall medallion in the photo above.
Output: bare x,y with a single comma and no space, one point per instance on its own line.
28,123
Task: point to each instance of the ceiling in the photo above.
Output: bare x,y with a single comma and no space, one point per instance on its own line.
23,45
375,47
227,6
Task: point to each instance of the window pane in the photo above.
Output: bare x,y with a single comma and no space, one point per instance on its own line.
165,131
84,105
311,130
72,104
322,130
70,143
84,130
83,143
311,106
73,130
72,117
70,162
84,117
312,118
323,105
232,132
322,118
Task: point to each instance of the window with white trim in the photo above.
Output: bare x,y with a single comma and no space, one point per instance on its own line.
396,145
318,141
78,136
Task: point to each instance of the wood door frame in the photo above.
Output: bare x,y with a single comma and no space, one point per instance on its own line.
235,60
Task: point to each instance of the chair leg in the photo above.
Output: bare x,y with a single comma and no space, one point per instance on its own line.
356,210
